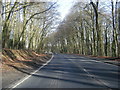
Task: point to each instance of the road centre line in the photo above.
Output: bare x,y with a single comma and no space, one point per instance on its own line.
91,75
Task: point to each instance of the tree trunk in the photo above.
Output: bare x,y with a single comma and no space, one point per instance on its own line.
113,25
119,28
99,41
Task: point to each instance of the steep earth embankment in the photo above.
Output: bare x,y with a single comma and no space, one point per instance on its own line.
16,64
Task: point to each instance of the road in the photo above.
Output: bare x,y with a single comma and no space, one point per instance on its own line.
72,71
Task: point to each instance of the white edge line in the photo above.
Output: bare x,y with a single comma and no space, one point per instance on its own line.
28,76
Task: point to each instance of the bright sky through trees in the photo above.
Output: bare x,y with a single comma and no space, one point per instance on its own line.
84,27
65,5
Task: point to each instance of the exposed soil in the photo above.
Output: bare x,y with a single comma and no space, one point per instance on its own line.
16,64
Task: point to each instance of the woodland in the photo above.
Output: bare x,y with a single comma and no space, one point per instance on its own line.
91,28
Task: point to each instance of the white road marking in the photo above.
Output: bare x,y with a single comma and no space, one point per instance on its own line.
28,76
91,75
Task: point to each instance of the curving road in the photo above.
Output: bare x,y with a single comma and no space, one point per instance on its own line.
72,71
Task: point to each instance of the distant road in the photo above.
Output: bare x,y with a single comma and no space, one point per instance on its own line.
72,71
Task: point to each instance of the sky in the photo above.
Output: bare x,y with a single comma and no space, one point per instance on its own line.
65,5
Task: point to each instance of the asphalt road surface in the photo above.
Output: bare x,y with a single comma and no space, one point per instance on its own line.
72,71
